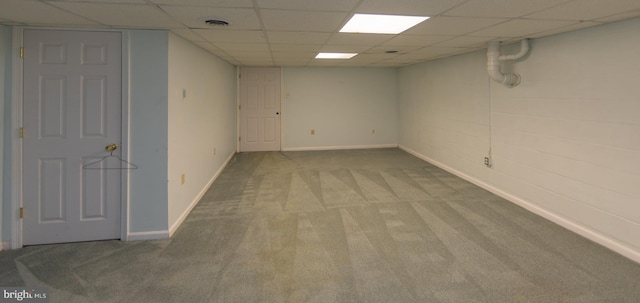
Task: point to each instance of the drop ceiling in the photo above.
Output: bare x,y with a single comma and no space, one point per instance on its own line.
292,32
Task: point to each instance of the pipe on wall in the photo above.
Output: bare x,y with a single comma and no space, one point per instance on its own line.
494,62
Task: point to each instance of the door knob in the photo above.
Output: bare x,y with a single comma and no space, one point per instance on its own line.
111,147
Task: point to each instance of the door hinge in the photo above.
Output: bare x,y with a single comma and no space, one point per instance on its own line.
239,107
239,139
21,212
21,52
21,132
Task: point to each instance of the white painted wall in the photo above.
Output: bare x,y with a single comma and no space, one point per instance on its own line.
148,90
202,121
342,105
566,142
445,111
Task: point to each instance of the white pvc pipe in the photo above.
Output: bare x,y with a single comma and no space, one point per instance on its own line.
493,66
493,63
524,49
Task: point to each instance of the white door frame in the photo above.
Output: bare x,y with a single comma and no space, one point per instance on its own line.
16,123
238,101
282,111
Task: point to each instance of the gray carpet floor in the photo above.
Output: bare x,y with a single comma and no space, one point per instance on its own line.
337,226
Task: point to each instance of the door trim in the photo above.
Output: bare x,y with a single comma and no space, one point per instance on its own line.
238,102
282,110
16,185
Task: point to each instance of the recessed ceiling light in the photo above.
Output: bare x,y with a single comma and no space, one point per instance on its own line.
380,24
335,55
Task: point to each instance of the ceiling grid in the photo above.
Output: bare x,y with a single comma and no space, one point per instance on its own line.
292,32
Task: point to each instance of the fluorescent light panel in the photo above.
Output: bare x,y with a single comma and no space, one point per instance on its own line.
335,55
380,24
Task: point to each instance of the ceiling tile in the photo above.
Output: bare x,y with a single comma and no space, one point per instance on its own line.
399,49
188,34
358,39
224,56
224,36
411,40
121,15
193,16
415,59
210,47
521,28
255,62
382,64
618,17
37,13
573,27
279,20
231,60
216,3
430,52
98,1
586,9
356,63
243,47
291,32
290,62
313,5
293,56
344,48
326,62
452,25
370,58
407,7
501,8
297,37
466,41
262,55
276,47
399,60
303,57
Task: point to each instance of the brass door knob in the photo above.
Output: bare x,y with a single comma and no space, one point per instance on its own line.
111,147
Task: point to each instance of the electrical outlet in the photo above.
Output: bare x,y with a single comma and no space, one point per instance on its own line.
487,161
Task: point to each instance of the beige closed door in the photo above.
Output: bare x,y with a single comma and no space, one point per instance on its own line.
260,109
72,109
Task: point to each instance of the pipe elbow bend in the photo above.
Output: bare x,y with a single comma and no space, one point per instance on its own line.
524,49
494,62
510,80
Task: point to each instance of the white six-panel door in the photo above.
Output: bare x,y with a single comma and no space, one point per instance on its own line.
72,110
259,109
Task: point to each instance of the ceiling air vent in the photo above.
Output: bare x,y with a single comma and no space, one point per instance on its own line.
215,21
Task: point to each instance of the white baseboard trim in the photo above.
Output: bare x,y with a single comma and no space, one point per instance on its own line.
195,201
340,147
5,246
579,229
148,235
